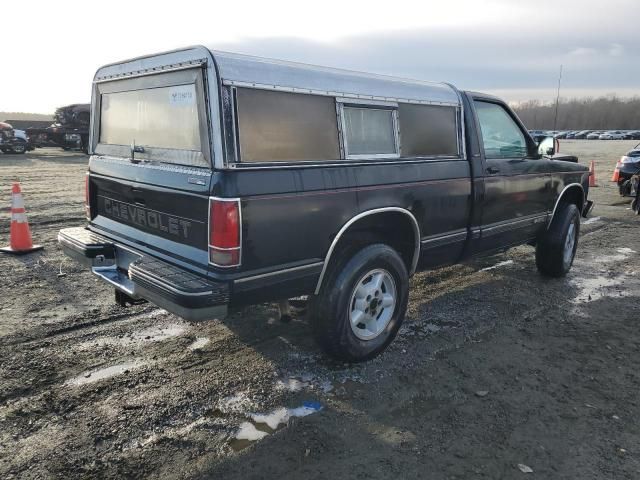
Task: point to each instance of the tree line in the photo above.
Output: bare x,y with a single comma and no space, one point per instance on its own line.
603,113
25,116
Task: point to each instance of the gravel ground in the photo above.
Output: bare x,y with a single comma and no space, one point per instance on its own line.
496,370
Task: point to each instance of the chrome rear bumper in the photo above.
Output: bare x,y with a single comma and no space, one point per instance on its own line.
141,276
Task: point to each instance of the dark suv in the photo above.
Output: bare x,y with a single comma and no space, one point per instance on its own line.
219,179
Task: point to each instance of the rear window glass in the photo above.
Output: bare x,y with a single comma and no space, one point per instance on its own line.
281,126
164,117
428,130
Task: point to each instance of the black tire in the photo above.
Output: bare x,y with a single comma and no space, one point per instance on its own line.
553,244
19,148
330,311
84,145
624,187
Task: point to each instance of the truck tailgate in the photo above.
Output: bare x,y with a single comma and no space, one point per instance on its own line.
156,216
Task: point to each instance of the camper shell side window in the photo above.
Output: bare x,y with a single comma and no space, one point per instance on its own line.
369,129
276,127
285,127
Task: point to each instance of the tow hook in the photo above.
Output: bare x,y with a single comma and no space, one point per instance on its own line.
125,300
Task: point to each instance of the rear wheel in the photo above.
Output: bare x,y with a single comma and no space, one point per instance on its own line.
557,247
19,148
361,304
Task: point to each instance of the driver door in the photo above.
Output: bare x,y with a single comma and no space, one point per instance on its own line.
517,181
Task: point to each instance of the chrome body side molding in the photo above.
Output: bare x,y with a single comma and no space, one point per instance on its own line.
345,227
555,207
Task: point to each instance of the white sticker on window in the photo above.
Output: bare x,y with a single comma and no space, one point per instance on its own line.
182,95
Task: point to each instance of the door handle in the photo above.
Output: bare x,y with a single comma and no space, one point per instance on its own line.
493,170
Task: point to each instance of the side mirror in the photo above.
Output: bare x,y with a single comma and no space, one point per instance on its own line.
548,146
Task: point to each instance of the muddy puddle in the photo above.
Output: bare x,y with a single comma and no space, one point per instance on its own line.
199,343
604,283
92,376
155,333
261,425
497,265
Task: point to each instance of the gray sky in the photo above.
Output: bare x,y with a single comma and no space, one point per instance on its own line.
513,49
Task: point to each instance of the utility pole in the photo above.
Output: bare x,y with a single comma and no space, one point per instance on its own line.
555,117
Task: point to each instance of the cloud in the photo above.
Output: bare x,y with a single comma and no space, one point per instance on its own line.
616,50
511,58
583,51
489,45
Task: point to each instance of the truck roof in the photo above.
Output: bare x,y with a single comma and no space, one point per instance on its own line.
257,72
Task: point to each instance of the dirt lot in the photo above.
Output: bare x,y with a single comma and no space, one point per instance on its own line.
494,367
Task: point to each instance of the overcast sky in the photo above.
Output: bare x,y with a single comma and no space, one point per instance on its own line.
513,49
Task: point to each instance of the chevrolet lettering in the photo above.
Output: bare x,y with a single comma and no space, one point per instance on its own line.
143,217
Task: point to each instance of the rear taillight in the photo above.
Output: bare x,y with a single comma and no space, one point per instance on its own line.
225,224
87,202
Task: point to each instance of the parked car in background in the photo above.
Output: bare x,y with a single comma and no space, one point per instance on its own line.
21,134
10,142
538,135
612,135
632,135
593,135
628,166
582,134
70,129
236,180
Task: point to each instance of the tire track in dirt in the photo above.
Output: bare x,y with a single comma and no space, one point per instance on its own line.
505,331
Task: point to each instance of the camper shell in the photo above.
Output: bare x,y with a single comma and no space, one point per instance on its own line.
219,73
220,179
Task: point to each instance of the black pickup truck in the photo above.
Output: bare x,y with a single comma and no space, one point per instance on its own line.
219,179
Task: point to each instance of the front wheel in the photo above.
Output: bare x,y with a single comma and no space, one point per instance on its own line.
361,304
557,247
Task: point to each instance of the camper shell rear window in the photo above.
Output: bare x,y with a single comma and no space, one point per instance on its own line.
163,116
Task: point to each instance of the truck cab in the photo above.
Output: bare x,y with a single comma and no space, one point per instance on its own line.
219,179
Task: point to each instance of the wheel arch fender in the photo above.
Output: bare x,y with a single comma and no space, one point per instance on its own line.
572,193
410,218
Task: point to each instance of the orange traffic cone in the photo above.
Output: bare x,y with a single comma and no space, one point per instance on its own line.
616,172
592,174
20,235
